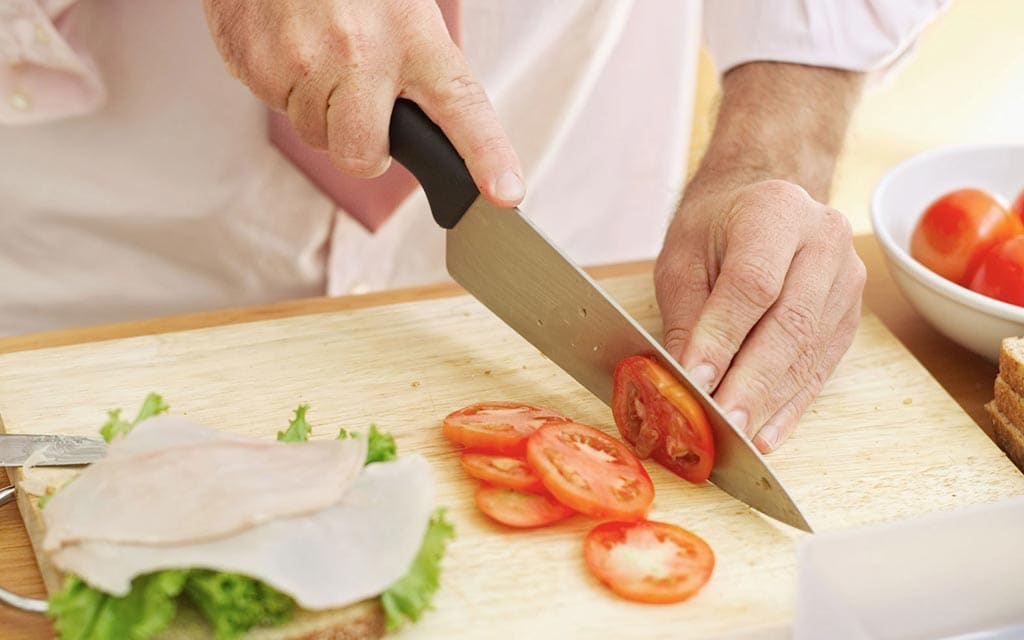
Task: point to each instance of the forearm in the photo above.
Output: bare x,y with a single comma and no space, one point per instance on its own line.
779,120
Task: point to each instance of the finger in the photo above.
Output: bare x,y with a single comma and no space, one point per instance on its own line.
682,285
751,279
457,103
307,106
790,327
358,113
806,385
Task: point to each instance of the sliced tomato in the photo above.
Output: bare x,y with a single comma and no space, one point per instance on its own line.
1001,274
590,471
659,417
648,561
956,231
501,471
520,509
497,427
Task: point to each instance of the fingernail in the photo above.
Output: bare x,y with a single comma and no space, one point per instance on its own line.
769,435
737,418
509,187
703,375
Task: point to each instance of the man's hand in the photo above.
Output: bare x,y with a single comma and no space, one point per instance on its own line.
758,282
336,69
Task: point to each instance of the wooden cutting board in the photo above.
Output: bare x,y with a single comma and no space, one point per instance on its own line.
883,442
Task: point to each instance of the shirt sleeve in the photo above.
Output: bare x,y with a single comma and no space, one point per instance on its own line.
857,35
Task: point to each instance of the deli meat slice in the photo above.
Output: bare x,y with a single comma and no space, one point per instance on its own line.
350,551
168,485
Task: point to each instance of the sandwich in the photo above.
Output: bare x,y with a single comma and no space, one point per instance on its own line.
1007,408
185,532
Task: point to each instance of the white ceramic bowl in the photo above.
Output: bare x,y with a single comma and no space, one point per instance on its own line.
975,321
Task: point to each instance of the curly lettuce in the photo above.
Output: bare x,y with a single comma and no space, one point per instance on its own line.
116,426
408,598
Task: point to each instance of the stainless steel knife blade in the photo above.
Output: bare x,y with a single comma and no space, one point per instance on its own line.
49,449
504,261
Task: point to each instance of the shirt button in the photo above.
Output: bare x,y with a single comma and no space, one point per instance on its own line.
42,35
19,100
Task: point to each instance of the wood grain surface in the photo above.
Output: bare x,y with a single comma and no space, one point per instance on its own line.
882,442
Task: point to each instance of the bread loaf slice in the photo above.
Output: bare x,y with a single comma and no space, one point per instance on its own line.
1009,402
1011,364
360,621
1009,438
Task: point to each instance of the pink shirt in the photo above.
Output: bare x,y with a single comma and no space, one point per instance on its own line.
137,178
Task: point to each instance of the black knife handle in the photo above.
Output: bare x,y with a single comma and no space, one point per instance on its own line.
422,148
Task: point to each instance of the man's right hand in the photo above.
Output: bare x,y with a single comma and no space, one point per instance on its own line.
337,67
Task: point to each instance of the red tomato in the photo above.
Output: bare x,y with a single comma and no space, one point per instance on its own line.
503,471
656,415
1001,274
1018,206
956,231
590,471
519,509
497,427
648,561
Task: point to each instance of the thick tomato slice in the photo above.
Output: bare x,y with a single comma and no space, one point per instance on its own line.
497,427
648,561
519,509
956,231
501,471
590,471
1001,274
656,415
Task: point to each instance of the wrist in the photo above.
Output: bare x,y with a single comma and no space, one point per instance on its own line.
779,121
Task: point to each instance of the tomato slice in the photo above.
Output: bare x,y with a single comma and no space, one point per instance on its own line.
656,414
956,231
519,509
502,471
590,471
1001,274
648,561
497,427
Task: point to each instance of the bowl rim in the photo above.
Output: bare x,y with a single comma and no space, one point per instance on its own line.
918,271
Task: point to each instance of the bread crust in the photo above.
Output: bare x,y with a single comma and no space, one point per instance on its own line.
1011,364
360,621
1009,438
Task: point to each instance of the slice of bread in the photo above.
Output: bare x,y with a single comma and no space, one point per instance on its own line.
1011,364
1009,402
1009,438
361,621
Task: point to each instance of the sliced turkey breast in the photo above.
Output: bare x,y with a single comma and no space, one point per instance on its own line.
351,550
171,482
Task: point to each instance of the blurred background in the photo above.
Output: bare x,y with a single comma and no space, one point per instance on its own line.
964,83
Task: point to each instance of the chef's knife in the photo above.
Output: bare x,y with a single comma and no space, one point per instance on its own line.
507,264
49,449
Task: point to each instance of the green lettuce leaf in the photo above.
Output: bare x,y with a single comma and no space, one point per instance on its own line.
380,446
116,425
298,429
408,598
83,613
234,603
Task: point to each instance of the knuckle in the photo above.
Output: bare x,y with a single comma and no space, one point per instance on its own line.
359,166
780,192
798,321
676,338
858,276
754,282
838,226
461,94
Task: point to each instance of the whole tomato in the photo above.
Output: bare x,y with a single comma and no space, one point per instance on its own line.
958,229
1001,273
1018,206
